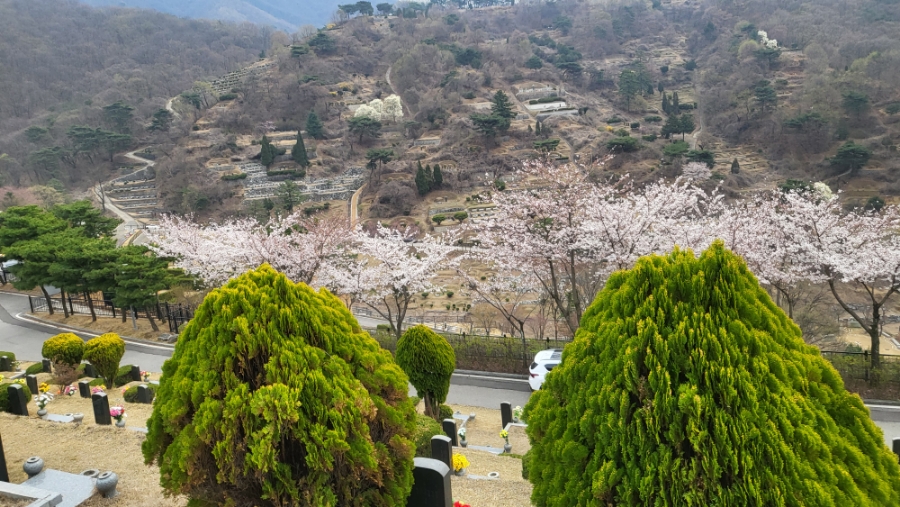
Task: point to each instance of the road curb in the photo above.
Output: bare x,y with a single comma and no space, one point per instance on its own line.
137,344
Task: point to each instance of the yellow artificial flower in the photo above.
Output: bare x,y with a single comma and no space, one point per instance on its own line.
459,462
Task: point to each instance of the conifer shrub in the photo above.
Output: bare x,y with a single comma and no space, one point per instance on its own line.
34,369
686,385
4,396
65,348
426,427
105,352
276,396
428,360
131,394
445,412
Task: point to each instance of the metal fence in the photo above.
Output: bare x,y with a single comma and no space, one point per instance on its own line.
174,315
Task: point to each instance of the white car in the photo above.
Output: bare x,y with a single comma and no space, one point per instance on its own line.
544,361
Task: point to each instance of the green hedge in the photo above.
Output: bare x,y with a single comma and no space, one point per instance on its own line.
234,177
123,376
10,355
446,412
132,392
545,100
34,369
426,428
4,396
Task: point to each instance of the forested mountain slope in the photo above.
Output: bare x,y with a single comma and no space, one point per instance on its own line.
62,62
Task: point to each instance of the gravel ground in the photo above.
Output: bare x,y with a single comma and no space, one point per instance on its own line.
485,429
74,449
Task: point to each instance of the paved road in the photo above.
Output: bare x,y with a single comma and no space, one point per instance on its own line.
25,340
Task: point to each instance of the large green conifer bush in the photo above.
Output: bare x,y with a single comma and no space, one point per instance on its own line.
429,361
686,385
65,348
105,352
275,396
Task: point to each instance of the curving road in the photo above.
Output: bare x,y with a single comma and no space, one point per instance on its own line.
129,225
354,206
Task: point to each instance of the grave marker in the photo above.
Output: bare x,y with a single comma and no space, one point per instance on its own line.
431,484
18,402
505,413
442,449
144,395
101,409
45,364
5,365
135,373
449,427
90,371
84,388
32,382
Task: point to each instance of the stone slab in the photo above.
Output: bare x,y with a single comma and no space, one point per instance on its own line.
138,429
58,418
492,450
39,497
75,489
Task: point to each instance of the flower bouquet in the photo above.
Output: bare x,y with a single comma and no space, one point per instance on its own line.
145,375
42,400
44,387
517,413
460,463
504,435
97,390
460,504
69,390
118,413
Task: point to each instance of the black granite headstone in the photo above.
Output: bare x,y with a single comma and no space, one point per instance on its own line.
442,449
32,382
135,373
144,395
46,366
896,447
449,427
101,409
90,371
18,402
5,364
431,484
84,388
4,473
505,413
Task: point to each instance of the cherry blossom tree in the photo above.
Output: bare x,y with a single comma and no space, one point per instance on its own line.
393,108
386,271
296,245
696,171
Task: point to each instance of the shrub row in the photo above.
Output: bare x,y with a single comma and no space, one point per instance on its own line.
545,100
233,177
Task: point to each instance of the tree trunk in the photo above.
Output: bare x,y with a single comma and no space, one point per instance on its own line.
49,301
124,315
875,334
90,303
62,295
152,322
432,407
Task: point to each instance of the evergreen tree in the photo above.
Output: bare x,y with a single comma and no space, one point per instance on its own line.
672,126
314,128
660,88
421,180
437,176
665,103
299,406
266,152
537,127
290,195
140,277
429,178
298,152
693,387
686,124
675,107
735,167
501,106
428,361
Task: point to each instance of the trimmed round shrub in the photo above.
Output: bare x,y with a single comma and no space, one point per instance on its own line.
428,360
34,369
131,394
687,385
445,412
10,355
4,397
276,396
123,375
426,427
105,352
65,348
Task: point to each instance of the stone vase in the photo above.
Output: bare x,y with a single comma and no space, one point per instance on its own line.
120,423
78,418
463,442
42,412
33,466
460,473
106,484
507,448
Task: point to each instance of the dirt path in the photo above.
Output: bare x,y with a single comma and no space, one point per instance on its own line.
387,77
129,224
354,206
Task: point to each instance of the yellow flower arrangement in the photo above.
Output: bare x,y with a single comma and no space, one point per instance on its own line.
504,435
459,462
44,387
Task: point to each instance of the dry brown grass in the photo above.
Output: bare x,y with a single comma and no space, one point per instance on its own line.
508,491
109,325
74,449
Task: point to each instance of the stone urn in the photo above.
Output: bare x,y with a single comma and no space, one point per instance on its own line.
42,412
120,423
460,473
507,448
106,484
463,442
33,466
78,417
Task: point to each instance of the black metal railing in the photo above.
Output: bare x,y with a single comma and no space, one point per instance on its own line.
173,315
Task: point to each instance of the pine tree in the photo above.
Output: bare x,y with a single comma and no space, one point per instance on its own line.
298,153
735,167
686,124
429,178
437,177
421,180
693,387
266,152
314,128
299,406
501,106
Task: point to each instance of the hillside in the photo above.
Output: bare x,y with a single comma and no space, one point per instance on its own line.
62,63
282,14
